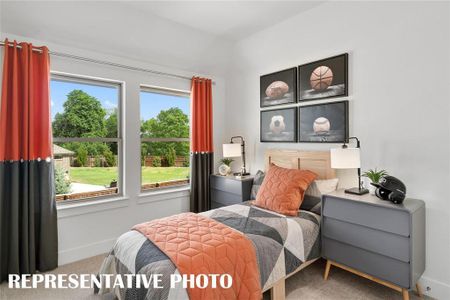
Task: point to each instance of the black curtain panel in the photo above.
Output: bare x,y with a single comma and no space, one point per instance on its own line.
28,222
202,165
202,156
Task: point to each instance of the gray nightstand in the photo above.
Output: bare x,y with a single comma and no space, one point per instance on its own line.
375,239
227,190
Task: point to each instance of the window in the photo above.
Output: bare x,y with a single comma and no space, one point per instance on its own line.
86,136
165,117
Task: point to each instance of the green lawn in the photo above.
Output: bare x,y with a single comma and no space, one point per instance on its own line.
103,176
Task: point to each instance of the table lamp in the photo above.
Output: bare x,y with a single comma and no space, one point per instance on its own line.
236,150
349,158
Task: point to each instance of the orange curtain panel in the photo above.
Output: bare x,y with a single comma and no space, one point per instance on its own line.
28,230
202,155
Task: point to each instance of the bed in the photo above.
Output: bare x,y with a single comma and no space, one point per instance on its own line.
283,245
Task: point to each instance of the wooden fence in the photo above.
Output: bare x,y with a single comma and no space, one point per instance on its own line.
180,161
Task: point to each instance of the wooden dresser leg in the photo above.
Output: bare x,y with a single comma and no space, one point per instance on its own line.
405,294
277,292
327,270
419,290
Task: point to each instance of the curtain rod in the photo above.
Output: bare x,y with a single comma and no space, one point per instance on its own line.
108,63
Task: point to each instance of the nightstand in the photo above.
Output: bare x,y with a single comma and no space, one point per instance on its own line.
376,239
227,190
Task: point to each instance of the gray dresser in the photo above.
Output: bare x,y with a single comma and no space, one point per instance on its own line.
375,237
227,190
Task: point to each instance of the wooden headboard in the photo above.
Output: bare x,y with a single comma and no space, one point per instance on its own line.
316,161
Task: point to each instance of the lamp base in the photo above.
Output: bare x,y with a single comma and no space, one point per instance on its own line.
357,191
241,174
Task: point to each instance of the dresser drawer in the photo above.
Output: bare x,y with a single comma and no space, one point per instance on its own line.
226,184
378,217
377,265
385,243
224,198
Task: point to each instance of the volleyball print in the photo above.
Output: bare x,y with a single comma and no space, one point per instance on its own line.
321,78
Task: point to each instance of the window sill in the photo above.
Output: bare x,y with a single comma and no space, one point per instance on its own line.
164,194
90,206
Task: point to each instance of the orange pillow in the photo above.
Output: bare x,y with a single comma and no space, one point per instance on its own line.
283,189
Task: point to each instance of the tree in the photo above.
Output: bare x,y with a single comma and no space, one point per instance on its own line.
82,155
171,123
171,157
83,116
112,129
62,183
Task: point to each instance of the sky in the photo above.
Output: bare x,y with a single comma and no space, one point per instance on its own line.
151,103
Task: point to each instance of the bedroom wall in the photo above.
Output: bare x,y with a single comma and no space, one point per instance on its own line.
88,229
399,97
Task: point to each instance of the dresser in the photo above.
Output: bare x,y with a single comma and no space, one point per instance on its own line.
228,190
375,239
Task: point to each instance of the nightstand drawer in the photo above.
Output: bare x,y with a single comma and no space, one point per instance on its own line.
226,184
225,198
377,265
373,240
378,217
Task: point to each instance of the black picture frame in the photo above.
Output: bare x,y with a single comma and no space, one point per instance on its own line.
313,129
275,95
289,118
333,85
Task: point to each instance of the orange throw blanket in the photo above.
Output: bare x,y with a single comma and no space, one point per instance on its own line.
199,245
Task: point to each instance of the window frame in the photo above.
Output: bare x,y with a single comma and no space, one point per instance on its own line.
104,82
171,92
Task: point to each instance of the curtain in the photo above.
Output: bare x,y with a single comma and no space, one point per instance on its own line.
28,224
202,155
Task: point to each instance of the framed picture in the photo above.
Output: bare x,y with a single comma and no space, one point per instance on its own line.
279,125
324,78
324,123
278,88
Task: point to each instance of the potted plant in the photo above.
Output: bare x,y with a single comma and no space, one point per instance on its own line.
225,167
374,176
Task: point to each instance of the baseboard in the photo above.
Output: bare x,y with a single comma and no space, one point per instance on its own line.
435,289
86,251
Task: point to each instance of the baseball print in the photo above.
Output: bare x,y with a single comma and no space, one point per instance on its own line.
324,123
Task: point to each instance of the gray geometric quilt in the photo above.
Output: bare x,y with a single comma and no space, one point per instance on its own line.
282,245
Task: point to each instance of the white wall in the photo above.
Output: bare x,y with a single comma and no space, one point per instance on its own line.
85,230
399,97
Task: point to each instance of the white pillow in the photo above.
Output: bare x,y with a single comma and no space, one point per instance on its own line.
322,186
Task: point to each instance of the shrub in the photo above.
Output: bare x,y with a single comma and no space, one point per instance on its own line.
97,161
62,183
82,155
144,153
186,161
171,156
156,161
110,159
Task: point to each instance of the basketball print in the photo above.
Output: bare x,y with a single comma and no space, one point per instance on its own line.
321,78
325,78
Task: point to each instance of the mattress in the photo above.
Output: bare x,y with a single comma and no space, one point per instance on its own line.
282,245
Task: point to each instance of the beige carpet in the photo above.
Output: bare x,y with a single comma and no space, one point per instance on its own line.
307,284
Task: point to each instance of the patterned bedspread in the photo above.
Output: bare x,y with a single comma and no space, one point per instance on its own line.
282,244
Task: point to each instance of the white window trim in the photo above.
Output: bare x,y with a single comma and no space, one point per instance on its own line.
99,81
169,189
